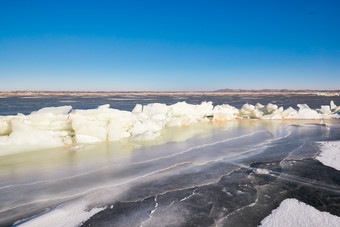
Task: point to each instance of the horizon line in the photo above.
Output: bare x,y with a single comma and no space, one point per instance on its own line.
146,91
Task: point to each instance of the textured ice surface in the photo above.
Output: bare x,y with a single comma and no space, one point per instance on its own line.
226,174
330,154
59,126
292,213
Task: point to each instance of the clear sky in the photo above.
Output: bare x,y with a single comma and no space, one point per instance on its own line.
169,45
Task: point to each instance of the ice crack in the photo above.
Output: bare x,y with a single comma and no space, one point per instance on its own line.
187,197
152,211
218,223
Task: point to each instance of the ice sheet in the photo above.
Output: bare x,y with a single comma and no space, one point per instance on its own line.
212,166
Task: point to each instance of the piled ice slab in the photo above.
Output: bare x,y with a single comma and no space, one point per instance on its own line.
58,126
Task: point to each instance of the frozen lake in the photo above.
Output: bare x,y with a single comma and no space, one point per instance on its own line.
231,173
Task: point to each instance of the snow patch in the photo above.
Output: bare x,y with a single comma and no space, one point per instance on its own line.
262,171
292,213
71,215
330,154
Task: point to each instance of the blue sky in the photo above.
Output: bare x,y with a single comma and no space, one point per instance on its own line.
169,45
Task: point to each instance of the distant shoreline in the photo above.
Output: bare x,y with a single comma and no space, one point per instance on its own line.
171,92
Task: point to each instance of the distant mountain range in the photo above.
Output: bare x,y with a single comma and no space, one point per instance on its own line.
272,90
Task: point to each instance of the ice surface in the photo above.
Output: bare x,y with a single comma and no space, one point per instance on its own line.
330,154
58,126
333,106
328,94
25,137
292,213
306,113
54,110
215,164
326,110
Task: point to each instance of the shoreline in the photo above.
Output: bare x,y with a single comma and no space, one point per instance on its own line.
315,92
